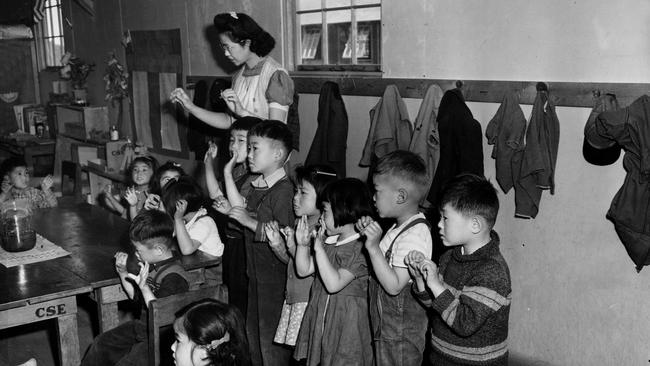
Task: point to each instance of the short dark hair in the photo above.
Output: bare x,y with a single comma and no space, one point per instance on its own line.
245,123
239,27
152,227
168,166
350,200
185,188
404,165
208,320
274,130
10,164
470,195
319,176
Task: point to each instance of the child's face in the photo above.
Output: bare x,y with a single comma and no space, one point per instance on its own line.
328,219
146,254
19,177
185,352
141,174
455,228
239,144
263,155
304,200
386,195
167,176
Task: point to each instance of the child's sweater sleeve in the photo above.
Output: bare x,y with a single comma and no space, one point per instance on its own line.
43,199
466,309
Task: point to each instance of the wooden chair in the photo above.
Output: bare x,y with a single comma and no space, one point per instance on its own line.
162,312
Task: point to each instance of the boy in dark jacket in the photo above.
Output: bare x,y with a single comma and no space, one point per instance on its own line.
160,275
469,290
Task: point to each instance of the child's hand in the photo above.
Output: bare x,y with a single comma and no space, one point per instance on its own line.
181,207
272,230
303,236
319,239
222,205
231,163
108,189
289,237
6,184
47,183
131,196
240,215
152,202
211,154
120,263
429,271
413,260
141,278
371,229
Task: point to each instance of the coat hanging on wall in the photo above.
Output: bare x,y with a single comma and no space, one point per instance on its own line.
630,208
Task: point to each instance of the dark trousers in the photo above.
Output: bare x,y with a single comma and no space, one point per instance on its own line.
125,345
234,272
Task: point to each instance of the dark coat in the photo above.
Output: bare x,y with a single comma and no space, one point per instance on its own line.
330,142
630,208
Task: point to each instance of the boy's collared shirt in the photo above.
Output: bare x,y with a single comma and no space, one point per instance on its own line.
417,238
268,182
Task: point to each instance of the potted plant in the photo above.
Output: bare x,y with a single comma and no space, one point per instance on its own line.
117,87
76,70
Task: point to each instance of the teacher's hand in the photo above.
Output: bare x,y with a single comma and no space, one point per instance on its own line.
179,96
233,102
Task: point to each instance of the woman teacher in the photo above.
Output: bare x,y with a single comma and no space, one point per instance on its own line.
260,88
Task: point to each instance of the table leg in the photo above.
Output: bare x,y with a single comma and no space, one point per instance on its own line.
68,339
107,298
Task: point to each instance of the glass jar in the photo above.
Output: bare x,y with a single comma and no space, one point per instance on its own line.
16,223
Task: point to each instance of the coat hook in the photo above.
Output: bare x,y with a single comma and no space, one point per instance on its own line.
541,86
459,84
596,93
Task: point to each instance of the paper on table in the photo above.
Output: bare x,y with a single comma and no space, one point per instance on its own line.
43,250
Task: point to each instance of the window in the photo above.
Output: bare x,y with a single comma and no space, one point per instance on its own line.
49,33
338,34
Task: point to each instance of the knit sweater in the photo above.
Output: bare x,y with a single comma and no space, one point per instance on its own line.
470,325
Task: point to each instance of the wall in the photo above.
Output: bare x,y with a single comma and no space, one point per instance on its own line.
577,299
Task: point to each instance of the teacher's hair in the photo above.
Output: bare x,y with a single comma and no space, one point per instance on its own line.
240,27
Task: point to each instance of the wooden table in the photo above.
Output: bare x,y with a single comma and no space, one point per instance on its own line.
99,179
44,291
30,149
93,236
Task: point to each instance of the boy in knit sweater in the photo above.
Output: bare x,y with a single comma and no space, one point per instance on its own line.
469,291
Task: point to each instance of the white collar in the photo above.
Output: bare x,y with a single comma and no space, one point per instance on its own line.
268,182
334,239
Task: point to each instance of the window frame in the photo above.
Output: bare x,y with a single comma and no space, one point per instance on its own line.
41,39
295,40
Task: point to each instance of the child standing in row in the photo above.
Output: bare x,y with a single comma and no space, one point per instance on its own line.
398,320
307,205
269,147
470,289
335,328
15,185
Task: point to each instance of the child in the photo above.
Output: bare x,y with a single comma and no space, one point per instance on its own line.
151,236
307,204
471,285
141,170
15,185
209,332
335,329
398,320
165,174
270,200
238,186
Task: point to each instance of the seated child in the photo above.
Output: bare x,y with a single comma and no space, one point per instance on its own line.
307,204
209,332
166,174
140,172
398,320
15,185
269,200
160,275
470,289
238,187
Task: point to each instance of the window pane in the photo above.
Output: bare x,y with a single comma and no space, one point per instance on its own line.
338,31
337,3
368,42
308,4
59,50
367,2
310,33
56,22
368,14
49,52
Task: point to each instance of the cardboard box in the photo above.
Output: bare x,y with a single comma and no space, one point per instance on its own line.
115,155
86,123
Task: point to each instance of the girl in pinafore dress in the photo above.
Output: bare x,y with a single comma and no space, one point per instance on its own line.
335,329
310,184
